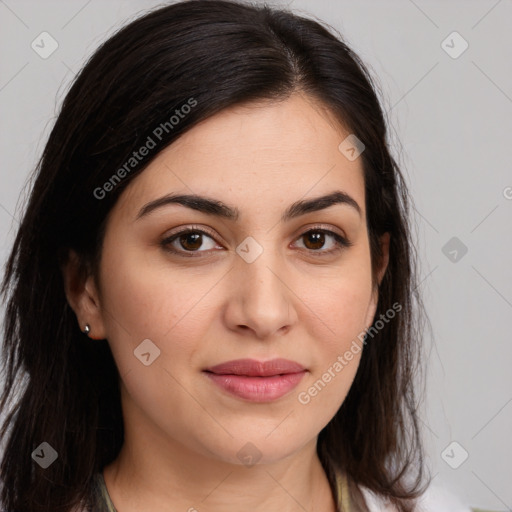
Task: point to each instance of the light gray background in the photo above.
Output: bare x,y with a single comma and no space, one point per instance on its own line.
450,121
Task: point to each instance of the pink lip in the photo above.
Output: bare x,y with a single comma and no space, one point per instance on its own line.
257,381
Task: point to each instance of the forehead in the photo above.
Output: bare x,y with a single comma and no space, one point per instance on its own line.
264,153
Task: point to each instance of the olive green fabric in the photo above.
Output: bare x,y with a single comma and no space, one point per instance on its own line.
103,503
100,496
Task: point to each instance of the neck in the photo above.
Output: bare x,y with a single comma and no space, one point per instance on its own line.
165,476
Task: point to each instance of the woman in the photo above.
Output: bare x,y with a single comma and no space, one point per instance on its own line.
211,291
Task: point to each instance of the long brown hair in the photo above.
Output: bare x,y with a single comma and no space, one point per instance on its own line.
221,53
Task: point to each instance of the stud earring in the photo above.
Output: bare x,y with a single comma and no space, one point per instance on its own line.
87,329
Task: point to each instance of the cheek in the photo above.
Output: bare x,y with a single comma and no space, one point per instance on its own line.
341,310
144,300
322,395
341,303
339,348
144,294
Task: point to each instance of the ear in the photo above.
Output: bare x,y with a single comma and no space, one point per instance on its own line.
384,244
82,295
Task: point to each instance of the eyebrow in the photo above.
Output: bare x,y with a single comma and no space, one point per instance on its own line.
219,209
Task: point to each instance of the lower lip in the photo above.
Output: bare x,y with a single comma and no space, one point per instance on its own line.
257,389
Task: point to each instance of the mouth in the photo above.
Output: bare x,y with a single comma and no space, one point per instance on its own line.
253,368
257,381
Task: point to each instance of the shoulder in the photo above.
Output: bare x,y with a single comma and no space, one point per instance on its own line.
436,498
98,496
375,502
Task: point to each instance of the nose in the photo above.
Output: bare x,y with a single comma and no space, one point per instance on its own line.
262,301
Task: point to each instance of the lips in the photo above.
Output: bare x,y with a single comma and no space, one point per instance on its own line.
253,368
257,381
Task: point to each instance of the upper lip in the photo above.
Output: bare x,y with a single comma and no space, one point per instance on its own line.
253,368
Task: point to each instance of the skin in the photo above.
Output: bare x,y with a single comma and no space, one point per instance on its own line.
182,432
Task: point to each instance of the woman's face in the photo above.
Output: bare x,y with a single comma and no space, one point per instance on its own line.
252,287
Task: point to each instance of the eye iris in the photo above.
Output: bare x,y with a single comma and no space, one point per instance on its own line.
317,238
196,239
192,240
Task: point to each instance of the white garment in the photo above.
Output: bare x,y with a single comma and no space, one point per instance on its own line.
435,499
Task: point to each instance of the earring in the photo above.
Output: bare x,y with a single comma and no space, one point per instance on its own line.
87,329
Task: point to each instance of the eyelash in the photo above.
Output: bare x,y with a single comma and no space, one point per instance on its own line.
342,242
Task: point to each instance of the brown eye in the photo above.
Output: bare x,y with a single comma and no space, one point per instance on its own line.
188,242
315,240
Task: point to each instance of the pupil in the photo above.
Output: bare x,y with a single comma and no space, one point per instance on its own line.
191,236
193,240
318,239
